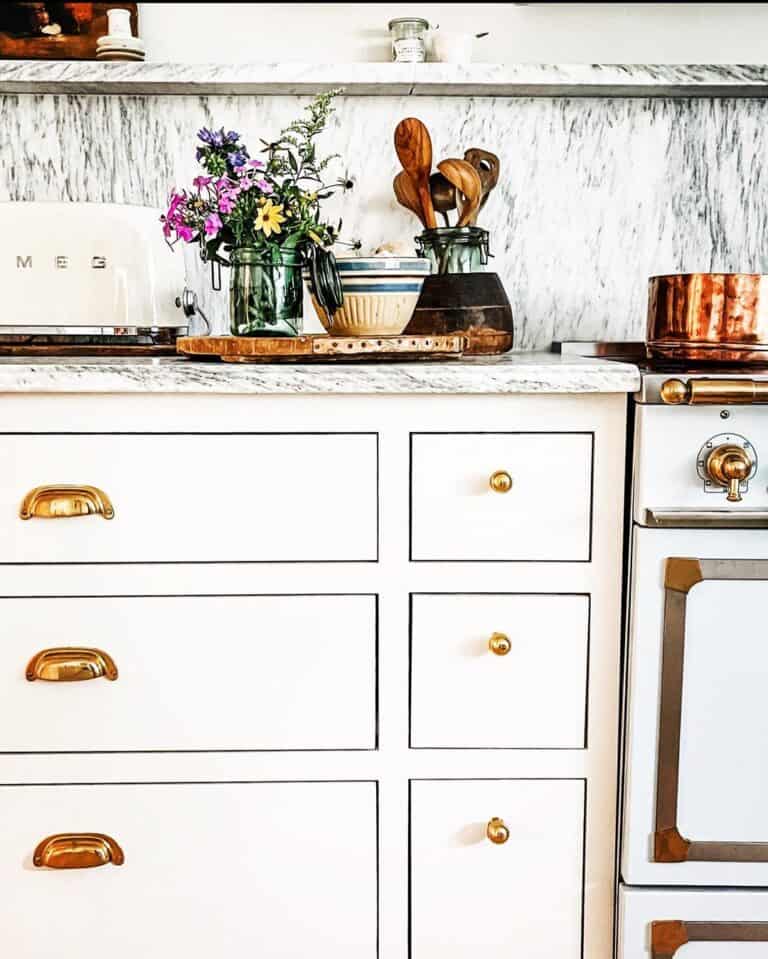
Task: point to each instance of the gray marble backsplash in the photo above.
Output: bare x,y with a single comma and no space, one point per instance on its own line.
596,194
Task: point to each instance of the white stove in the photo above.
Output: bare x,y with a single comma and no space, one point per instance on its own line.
694,858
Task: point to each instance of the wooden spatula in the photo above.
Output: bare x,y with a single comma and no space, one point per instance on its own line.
414,150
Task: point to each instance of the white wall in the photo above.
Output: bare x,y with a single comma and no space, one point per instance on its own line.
534,33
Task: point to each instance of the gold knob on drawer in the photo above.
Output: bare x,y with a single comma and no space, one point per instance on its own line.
500,481
57,501
77,850
499,644
69,664
496,831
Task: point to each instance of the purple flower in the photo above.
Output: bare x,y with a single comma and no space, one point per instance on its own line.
202,181
232,137
213,224
206,135
237,159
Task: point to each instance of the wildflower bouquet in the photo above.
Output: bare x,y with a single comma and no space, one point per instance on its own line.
242,201
269,206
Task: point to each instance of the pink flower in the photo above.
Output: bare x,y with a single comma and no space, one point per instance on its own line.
202,181
226,203
213,224
256,164
185,232
224,183
264,186
175,202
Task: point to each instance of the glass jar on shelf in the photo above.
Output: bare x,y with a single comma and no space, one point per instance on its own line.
409,39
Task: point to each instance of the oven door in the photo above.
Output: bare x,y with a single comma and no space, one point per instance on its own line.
696,786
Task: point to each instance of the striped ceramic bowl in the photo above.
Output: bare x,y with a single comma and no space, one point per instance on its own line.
380,294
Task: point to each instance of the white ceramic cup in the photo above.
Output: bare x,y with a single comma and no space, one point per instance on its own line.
452,46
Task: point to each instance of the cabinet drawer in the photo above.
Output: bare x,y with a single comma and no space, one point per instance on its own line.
191,498
247,869
193,672
499,671
472,897
540,509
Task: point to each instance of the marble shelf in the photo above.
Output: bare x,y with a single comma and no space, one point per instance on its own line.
384,79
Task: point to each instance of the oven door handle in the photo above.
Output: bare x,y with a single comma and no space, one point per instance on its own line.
705,518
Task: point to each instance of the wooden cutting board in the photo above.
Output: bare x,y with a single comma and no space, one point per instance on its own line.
321,348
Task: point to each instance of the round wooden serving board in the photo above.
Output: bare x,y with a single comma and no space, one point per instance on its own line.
321,348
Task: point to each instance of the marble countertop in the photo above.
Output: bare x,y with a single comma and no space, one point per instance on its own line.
386,79
511,373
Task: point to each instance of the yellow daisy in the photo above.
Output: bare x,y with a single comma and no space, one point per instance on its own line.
269,218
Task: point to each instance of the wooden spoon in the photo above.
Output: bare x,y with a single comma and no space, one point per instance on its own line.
466,179
487,166
414,150
407,196
443,195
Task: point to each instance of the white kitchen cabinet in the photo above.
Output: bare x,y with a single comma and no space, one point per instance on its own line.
696,783
472,896
186,498
193,672
272,869
686,924
496,671
544,514
255,757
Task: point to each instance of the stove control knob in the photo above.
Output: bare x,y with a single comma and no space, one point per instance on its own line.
729,466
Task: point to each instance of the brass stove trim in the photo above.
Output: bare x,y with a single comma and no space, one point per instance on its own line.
681,575
670,935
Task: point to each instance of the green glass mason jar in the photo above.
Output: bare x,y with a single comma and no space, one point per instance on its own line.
265,295
454,249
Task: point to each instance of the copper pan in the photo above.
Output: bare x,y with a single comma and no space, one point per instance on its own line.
709,317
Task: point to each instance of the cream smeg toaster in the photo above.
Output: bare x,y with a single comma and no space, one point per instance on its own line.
88,268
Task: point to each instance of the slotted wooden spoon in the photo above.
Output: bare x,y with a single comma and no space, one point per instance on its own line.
414,150
466,179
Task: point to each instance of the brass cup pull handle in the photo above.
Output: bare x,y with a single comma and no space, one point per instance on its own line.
499,644
57,501
500,481
496,831
69,664
77,850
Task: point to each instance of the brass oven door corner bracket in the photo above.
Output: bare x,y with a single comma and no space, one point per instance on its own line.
682,573
667,937
670,935
670,846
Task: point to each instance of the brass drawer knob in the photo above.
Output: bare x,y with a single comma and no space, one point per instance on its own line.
56,502
500,481
69,664
496,831
77,850
499,644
